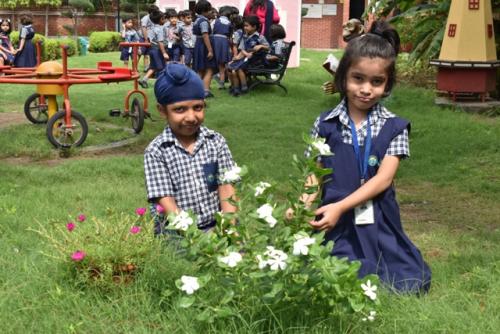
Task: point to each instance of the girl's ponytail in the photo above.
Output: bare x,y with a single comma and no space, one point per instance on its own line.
384,30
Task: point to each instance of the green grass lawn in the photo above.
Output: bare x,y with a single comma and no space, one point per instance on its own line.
449,191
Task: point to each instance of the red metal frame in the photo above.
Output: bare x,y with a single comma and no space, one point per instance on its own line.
77,76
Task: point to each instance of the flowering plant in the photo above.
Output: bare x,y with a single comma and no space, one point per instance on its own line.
102,251
257,258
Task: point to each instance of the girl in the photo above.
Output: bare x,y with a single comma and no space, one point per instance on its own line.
237,27
252,52
266,12
221,35
130,35
358,208
25,56
277,34
7,51
203,57
157,53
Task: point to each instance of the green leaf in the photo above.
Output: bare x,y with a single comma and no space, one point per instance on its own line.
227,297
186,302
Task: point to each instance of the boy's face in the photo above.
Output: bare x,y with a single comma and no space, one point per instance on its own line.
184,118
188,20
249,29
173,20
129,24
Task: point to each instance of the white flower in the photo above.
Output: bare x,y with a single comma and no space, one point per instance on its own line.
369,290
189,284
261,187
370,317
231,259
320,145
301,245
266,212
262,262
182,221
232,175
276,258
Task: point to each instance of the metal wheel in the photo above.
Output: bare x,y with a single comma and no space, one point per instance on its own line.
62,136
136,114
35,111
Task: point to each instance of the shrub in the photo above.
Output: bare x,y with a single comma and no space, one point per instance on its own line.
104,41
71,43
51,48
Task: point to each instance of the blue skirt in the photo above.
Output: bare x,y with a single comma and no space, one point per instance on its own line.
156,62
221,50
125,54
200,60
27,57
240,64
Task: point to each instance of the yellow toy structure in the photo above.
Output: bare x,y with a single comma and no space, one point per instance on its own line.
50,70
468,61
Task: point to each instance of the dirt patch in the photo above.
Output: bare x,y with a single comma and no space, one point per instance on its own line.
12,118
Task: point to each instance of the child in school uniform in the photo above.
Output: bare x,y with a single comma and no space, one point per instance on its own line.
358,208
146,25
157,52
184,163
237,35
203,57
221,35
188,39
26,54
275,56
172,39
130,35
252,52
7,51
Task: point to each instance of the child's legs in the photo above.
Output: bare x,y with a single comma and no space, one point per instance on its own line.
233,77
242,77
207,78
177,54
148,74
222,72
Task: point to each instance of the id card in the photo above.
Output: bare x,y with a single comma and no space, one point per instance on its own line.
363,213
170,44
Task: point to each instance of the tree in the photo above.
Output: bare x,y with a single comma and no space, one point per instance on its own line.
47,4
78,8
136,7
105,6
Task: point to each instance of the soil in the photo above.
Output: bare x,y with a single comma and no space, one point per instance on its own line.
12,118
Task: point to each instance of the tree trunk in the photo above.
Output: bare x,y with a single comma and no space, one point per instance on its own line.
47,21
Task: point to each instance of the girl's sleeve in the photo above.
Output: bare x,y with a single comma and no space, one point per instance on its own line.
204,27
246,12
400,146
23,33
276,16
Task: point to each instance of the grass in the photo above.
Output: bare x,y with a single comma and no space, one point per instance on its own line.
448,192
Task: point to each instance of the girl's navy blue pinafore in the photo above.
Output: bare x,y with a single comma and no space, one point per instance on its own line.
200,52
382,248
221,35
27,56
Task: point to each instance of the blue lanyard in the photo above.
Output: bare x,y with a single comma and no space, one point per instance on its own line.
362,163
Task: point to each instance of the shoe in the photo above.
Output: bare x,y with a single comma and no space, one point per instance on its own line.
143,83
208,94
244,91
236,92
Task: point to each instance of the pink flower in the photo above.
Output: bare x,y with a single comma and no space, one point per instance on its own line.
135,229
159,209
78,256
140,211
81,218
70,226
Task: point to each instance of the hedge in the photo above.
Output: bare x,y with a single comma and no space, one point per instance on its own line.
104,41
51,47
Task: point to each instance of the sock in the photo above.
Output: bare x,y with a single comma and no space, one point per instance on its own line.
244,88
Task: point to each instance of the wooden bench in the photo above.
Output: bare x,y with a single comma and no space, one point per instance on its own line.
271,76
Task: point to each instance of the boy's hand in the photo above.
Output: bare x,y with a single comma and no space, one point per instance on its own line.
330,216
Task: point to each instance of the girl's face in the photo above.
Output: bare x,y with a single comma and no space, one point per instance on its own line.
365,83
188,20
249,29
5,26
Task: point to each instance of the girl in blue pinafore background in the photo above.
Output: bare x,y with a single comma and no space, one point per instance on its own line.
26,55
276,53
358,208
157,53
221,35
203,57
7,51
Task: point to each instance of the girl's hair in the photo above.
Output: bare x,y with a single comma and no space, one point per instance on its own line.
202,6
153,8
181,14
171,13
237,22
125,19
276,31
256,4
155,17
382,41
253,21
10,26
26,19
225,11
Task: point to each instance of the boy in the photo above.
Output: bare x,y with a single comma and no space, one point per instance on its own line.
187,37
182,165
157,53
130,35
172,38
145,25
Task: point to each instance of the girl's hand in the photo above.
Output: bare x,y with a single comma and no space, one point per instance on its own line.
330,216
165,55
210,55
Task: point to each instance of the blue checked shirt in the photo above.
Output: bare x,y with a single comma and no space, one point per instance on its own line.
399,146
192,179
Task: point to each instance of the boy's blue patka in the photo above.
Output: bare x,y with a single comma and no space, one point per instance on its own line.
178,83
